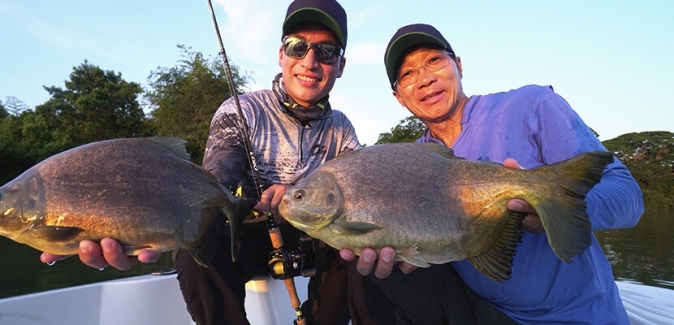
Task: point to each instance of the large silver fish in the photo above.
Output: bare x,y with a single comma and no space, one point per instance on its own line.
434,207
143,192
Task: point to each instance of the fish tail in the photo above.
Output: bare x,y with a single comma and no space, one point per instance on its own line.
563,214
245,206
204,251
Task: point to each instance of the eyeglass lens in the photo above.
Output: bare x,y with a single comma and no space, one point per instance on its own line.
409,76
324,53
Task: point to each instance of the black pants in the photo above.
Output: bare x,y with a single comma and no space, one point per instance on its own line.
435,295
215,295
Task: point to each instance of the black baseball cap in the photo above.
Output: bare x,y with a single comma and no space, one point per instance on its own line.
407,37
326,12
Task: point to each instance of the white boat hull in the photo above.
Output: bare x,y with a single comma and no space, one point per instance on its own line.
140,300
150,299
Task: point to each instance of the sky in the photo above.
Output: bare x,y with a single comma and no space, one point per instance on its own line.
612,60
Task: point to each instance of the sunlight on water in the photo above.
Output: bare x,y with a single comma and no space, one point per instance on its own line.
642,254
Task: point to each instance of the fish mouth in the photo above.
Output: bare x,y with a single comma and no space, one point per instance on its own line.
302,220
301,226
308,220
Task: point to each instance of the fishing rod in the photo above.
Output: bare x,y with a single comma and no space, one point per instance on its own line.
282,262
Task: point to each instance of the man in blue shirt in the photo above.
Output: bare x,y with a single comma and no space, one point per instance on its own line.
534,126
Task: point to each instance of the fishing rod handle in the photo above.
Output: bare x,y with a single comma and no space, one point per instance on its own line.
276,239
294,300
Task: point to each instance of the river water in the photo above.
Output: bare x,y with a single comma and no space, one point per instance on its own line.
642,254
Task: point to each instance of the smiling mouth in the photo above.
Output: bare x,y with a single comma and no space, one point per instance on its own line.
431,95
307,79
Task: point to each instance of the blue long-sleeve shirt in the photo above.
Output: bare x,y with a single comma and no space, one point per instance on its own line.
536,126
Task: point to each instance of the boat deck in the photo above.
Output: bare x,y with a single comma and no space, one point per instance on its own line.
151,299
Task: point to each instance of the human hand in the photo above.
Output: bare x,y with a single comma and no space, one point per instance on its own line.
382,266
271,198
532,222
108,252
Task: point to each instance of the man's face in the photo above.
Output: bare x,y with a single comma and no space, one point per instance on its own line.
306,80
434,95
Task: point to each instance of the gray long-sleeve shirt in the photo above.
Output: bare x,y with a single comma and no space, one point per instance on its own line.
284,149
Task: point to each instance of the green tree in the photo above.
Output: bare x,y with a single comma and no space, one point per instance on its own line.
14,158
184,98
95,105
101,104
409,130
3,111
650,158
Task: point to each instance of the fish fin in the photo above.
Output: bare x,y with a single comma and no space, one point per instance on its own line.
203,257
412,256
441,149
244,207
496,263
353,228
174,144
56,233
203,251
563,214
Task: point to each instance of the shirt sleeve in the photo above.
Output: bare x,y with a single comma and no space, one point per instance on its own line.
225,156
350,140
616,201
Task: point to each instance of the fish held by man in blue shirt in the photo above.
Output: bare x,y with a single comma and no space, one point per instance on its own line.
433,207
144,192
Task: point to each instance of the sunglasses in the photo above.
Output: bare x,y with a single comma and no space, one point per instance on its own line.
298,48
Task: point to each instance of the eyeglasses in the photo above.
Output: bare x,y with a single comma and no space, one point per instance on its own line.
298,48
408,76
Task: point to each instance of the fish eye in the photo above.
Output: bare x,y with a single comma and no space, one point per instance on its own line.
330,200
299,194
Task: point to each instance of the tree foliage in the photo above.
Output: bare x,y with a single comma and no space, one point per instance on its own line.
184,98
94,105
3,111
409,130
13,155
650,158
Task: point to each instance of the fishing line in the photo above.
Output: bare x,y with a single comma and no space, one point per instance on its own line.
274,231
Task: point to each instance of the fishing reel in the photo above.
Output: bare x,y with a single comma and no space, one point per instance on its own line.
285,264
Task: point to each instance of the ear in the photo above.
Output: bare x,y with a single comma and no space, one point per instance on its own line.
342,63
399,98
459,66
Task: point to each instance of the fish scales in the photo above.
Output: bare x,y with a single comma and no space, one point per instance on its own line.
434,207
143,192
